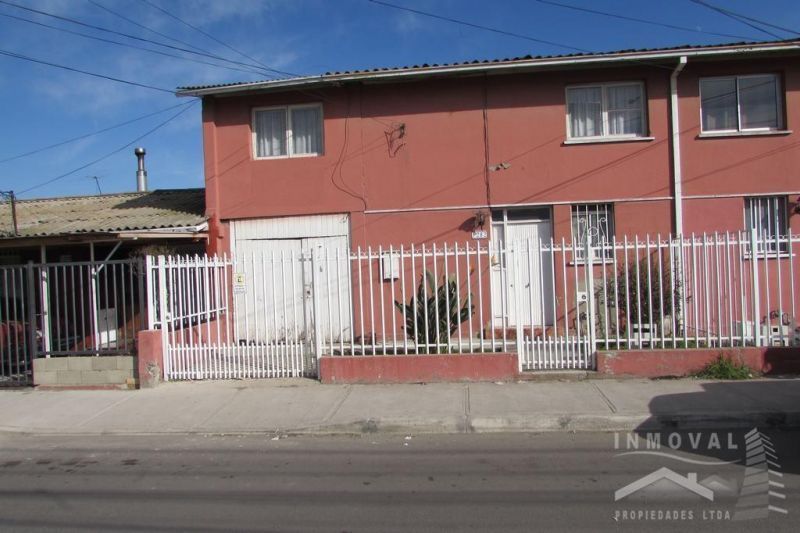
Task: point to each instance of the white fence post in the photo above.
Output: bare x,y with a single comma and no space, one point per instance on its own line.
756,287
163,315
590,330
149,306
518,302
315,311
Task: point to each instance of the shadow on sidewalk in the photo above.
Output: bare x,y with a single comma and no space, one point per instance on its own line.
718,422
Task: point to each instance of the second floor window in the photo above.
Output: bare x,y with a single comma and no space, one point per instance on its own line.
740,103
594,222
287,131
612,110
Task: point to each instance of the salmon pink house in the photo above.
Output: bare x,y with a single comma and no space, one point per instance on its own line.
673,169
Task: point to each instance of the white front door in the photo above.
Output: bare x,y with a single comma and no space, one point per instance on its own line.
522,281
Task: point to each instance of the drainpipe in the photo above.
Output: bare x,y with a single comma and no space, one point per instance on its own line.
678,276
676,146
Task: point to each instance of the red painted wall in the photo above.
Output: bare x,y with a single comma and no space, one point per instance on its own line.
418,368
671,363
440,161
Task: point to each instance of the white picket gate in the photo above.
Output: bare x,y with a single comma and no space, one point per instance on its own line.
553,303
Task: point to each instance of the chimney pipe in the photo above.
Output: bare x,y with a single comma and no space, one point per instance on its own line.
141,173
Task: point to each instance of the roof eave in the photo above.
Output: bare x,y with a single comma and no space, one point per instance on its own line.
515,66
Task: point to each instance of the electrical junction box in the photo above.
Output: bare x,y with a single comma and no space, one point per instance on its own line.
390,266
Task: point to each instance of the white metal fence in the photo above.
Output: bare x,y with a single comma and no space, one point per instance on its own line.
554,303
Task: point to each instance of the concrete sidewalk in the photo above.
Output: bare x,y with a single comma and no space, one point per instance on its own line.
307,407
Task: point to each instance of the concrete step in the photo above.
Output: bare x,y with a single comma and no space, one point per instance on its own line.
556,375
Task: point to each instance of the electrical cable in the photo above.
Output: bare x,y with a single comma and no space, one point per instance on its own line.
73,69
114,152
734,16
129,36
128,45
226,45
147,28
640,20
87,135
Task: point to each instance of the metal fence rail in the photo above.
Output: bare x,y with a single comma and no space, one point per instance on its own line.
554,303
68,308
191,297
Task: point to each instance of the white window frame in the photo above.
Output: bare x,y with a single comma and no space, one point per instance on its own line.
768,247
289,139
608,248
778,103
604,113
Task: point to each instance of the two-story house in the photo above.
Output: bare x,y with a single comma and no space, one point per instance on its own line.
578,148
679,140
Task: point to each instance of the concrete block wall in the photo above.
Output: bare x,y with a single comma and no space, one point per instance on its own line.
114,371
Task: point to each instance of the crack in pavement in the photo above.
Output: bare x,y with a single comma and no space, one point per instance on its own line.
338,405
605,398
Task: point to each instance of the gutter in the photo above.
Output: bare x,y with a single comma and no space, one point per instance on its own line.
676,146
499,67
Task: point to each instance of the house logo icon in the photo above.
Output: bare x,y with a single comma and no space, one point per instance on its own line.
669,480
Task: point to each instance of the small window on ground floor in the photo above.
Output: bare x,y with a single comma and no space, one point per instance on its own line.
594,222
766,216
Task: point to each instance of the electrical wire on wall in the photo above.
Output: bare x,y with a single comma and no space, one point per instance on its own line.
337,167
486,142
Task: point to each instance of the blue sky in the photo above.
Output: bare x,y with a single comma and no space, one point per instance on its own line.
42,105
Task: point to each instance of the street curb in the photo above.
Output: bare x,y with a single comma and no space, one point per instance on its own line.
463,425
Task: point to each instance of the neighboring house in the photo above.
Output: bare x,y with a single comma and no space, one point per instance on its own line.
70,275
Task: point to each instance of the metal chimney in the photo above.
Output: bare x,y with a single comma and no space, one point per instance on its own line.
141,173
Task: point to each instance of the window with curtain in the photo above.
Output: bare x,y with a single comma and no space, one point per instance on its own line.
594,222
766,216
288,131
606,110
740,103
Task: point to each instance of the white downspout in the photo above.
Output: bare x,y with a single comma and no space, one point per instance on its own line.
676,146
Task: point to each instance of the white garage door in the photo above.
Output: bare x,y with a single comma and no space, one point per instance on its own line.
276,302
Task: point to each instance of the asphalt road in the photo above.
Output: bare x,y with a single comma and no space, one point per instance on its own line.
519,482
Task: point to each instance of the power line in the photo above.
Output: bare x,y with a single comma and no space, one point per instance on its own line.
140,25
116,151
87,135
226,45
480,27
636,19
128,45
743,16
129,36
734,16
86,72
301,91
508,33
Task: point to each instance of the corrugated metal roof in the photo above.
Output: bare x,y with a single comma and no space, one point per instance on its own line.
107,213
632,53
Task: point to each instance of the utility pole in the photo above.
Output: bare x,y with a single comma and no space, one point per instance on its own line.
13,199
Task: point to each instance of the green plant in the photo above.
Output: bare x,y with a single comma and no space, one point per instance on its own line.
641,293
725,368
429,303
